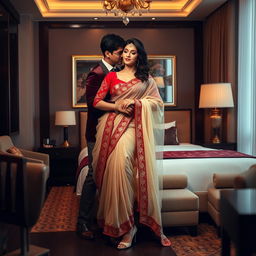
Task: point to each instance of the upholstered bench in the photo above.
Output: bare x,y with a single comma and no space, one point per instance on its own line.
180,206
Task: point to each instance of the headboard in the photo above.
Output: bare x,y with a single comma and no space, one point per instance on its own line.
181,116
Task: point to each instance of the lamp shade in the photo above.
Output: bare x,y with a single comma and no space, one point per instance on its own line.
65,118
217,95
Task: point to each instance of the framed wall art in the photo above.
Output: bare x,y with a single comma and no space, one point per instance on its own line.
162,68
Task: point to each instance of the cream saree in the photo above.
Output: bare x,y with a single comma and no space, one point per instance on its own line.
124,160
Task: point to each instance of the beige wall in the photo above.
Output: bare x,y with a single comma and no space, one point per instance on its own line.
63,43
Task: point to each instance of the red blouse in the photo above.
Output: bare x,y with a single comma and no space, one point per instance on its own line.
112,84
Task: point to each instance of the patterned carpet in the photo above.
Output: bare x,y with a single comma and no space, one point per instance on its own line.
206,243
60,214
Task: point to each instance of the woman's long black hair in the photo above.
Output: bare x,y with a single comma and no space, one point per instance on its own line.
142,72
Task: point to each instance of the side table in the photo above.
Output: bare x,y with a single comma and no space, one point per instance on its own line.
63,165
238,221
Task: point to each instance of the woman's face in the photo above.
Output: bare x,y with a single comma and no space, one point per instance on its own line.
130,55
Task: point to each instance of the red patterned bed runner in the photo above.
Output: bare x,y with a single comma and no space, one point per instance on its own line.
204,154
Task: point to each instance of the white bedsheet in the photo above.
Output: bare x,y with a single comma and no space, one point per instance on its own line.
200,171
83,173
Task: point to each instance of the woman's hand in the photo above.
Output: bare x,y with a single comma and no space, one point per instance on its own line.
125,106
127,103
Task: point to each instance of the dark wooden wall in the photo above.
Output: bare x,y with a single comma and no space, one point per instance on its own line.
45,28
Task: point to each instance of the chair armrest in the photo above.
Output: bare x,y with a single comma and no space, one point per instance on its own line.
224,180
246,179
175,181
36,176
36,155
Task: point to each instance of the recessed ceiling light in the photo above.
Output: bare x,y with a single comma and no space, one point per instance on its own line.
75,26
95,18
153,18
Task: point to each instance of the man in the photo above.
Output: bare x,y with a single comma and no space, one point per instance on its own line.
112,47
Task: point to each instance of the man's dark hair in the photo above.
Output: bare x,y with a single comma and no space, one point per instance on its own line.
111,42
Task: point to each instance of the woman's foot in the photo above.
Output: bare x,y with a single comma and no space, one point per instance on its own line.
165,241
128,239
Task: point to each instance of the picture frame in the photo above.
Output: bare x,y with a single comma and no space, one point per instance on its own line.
161,67
81,66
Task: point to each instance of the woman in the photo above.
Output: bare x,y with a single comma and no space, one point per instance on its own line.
124,153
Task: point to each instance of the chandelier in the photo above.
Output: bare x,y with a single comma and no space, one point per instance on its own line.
123,7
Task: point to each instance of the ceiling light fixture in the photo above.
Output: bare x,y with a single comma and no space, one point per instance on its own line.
75,26
123,7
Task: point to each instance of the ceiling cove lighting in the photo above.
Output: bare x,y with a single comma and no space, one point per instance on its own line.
88,9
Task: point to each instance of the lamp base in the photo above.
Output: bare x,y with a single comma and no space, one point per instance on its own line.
216,139
65,144
216,120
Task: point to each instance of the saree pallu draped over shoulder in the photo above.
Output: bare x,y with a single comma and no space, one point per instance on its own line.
125,164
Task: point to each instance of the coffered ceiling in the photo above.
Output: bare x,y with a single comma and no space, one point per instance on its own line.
90,9
93,8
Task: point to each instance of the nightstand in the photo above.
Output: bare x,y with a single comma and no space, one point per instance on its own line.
223,145
63,165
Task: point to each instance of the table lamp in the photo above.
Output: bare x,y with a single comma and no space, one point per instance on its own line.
216,96
65,118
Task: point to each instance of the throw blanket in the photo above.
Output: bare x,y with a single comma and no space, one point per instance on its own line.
204,154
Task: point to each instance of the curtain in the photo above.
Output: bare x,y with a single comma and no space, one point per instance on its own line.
220,62
246,133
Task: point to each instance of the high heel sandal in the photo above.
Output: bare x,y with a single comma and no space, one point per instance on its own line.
125,245
165,241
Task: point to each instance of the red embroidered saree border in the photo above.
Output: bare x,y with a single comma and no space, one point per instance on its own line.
109,142
117,232
142,170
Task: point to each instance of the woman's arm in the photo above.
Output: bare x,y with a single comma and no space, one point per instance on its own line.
125,106
106,106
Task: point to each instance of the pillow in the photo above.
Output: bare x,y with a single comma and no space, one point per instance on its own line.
170,136
169,125
15,151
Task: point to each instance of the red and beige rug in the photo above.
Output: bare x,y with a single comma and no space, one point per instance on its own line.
60,214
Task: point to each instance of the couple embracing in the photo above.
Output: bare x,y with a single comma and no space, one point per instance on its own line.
124,111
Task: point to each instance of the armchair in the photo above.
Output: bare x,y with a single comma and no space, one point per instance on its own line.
221,182
22,187
6,145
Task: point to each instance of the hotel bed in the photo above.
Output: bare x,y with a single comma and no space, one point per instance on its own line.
199,170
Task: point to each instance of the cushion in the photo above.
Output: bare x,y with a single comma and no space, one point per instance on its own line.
174,181
223,180
15,151
179,200
170,136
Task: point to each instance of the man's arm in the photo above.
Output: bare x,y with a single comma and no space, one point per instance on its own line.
93,82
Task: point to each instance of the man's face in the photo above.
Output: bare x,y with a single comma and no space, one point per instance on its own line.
115,57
